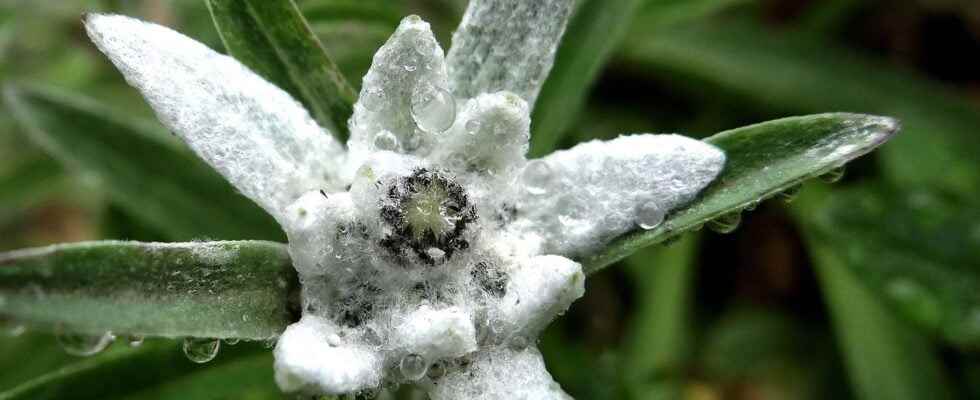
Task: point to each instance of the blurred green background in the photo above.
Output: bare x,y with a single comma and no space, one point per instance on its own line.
867,288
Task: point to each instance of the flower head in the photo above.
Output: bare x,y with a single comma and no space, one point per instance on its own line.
429,249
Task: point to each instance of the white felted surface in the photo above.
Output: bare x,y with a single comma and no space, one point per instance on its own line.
254,133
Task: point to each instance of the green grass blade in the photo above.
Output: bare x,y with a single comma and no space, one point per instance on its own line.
273,39
657,340
593,33
200,289
762,160
885,358
923,262
150,371
778,71
139,167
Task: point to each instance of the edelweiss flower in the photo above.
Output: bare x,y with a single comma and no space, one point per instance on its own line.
429,250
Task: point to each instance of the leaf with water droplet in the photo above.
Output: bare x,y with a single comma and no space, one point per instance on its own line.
762,160
200,350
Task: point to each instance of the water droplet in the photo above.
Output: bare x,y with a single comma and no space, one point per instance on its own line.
372,99
425,46
135,340
536,176
433,108
201,350
473,126
334,340
437,370
232,341
413,367
79,344
833,175
649,215
518,343
790,194
726,223
385,140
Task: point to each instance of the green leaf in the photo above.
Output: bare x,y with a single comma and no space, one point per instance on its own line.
152,371
200,289
596,29
144,171
762,160
27,356
27,181
658,14
917,250
658,337
777,71
273,39
886,358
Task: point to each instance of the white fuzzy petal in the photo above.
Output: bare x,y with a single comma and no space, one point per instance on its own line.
506,45
501,373
491,135
410,61
582,197
542,288
436,333
254,133
311,353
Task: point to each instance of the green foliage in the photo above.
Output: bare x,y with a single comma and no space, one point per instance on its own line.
209,290
273,39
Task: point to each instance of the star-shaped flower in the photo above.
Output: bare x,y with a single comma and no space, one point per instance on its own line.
429,249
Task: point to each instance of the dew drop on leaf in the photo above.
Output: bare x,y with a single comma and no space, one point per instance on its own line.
413,367
80,344
790,194
232,342
536,176
201,350
726,223
433,108
833,175
649,215
134,340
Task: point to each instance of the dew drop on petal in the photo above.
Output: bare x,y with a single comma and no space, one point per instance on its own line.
473,126
413,367
536,176
372,99
518,343
437,370
80,344
649,215
726,223
201,350
385,140
433,108
834,175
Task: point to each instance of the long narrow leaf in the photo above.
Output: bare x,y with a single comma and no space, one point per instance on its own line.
762,160
206,289
151,178
273,38
596,29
